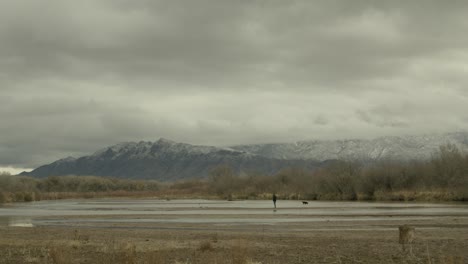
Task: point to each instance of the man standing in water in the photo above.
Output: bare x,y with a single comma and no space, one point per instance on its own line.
274,200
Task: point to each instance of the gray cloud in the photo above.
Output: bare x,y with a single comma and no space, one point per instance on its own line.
76,76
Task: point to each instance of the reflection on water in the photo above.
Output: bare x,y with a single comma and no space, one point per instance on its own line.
226,212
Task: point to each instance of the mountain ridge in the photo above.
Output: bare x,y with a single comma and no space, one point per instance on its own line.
399,148
168,160
164,160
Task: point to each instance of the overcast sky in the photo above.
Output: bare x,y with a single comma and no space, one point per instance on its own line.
76,76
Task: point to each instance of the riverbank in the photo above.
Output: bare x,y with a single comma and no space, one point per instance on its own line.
396,196
318,242
210,231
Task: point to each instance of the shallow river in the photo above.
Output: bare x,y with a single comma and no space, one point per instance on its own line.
136,211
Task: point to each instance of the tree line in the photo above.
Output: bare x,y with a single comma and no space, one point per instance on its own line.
442,178
21,188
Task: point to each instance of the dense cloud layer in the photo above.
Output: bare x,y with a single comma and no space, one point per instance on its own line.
76,76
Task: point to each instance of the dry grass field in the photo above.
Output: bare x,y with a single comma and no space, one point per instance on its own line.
442,241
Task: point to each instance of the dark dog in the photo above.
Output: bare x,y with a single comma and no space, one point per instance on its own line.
305,202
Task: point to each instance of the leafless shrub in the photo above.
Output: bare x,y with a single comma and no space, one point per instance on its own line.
3,198
128,254
59,255
214,238
406,237
83,238
205,246
155,257
118,252
239,252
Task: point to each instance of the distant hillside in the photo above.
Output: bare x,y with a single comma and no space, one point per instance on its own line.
165,160
385,148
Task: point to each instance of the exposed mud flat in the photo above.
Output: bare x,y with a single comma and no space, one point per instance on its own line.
198,231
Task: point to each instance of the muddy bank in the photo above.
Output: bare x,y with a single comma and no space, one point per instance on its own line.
441,240
202,231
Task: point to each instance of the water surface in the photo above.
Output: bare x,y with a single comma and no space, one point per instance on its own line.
153,211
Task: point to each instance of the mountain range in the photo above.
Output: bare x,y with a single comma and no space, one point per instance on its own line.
166,160
402,148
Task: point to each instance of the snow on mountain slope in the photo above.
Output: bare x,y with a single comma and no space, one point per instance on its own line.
164,160
147,149
394,148
168,160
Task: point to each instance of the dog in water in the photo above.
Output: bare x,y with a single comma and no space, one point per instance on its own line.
305,202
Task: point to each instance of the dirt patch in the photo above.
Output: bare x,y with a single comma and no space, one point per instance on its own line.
442,240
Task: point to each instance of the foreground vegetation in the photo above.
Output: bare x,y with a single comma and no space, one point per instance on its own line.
443,178
205,244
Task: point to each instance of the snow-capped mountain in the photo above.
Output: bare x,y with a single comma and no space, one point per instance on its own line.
168,160
144,149
165,160
385,148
